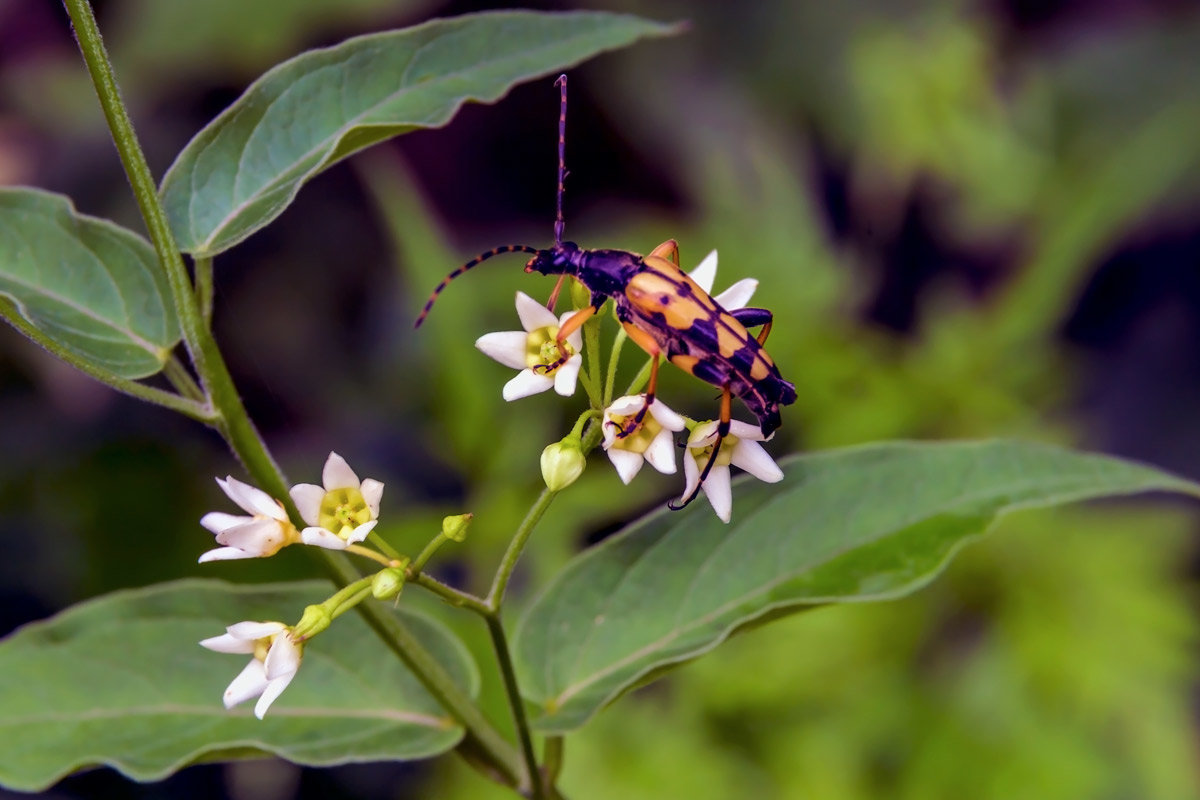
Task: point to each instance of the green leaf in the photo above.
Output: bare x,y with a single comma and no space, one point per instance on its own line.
863,523
121,681
244,169
83,283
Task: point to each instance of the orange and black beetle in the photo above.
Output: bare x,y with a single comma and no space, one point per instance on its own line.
666,313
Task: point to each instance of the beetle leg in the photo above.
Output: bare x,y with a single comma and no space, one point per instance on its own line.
647,343
722,432
750,317
554,294
572,324
668,250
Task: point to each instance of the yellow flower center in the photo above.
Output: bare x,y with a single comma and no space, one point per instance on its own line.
638,441
724,458
541,348
261,647
343,510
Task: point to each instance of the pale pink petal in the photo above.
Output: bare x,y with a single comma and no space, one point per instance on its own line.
372,492
666,417
224,554
360,533
628,464
228,644
256,501
319,537
255,630
525,383
752,457
716,489
507,347
706,273
250,682
566,376
270,693
217,521
259,537
337,474
308,498
661,453
737,296
533,314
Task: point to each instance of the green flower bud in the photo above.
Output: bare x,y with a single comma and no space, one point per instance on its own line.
455,528
316,618
387,583
581,296
562,463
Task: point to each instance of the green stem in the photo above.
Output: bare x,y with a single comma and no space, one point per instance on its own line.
426,554
515,703
639,381
367,552
234,424
509,562
376,539
348,596
199,411
203,268
611,378
178,376
451,595
591,376
552,759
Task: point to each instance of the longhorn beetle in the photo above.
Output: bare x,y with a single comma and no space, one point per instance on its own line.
664,311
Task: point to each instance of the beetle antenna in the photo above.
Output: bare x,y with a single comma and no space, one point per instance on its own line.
477,260
562,158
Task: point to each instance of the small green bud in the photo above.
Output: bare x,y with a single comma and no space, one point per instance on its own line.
316,618
562,463
455,528
581,296
387,583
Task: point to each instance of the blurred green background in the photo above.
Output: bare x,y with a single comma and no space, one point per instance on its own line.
970,219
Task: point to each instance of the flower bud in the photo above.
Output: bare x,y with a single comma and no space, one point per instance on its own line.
316,618
455,528
562,463
581,296
387,583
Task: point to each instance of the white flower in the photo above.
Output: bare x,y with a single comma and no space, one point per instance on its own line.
533,346
276,659
342,512
733,298
740,448
651,442
257,536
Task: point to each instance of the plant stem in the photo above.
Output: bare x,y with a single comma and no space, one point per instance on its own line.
203,268
591,346
178,376
451,595
509,562
515,703
234,424
367,552
611,378
427,553
552,759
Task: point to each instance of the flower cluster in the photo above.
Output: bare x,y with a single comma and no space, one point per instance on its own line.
634,432
340,513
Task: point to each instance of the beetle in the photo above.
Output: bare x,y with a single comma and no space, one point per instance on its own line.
664,312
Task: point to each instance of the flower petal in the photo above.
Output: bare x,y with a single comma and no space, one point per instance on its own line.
228,644
255,630
256,501
576,338
533,314
250,682
717,490
525,383
666,417
270,693
337,474
507,347
308,497
624,406
566,376
706,272
661,453
360,533
283,658
628,463
224,554
703,435
319,537
745,431
691,475
260,537
753,457
738,295
372,492
218,521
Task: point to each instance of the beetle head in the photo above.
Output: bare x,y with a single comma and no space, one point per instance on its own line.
557,260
